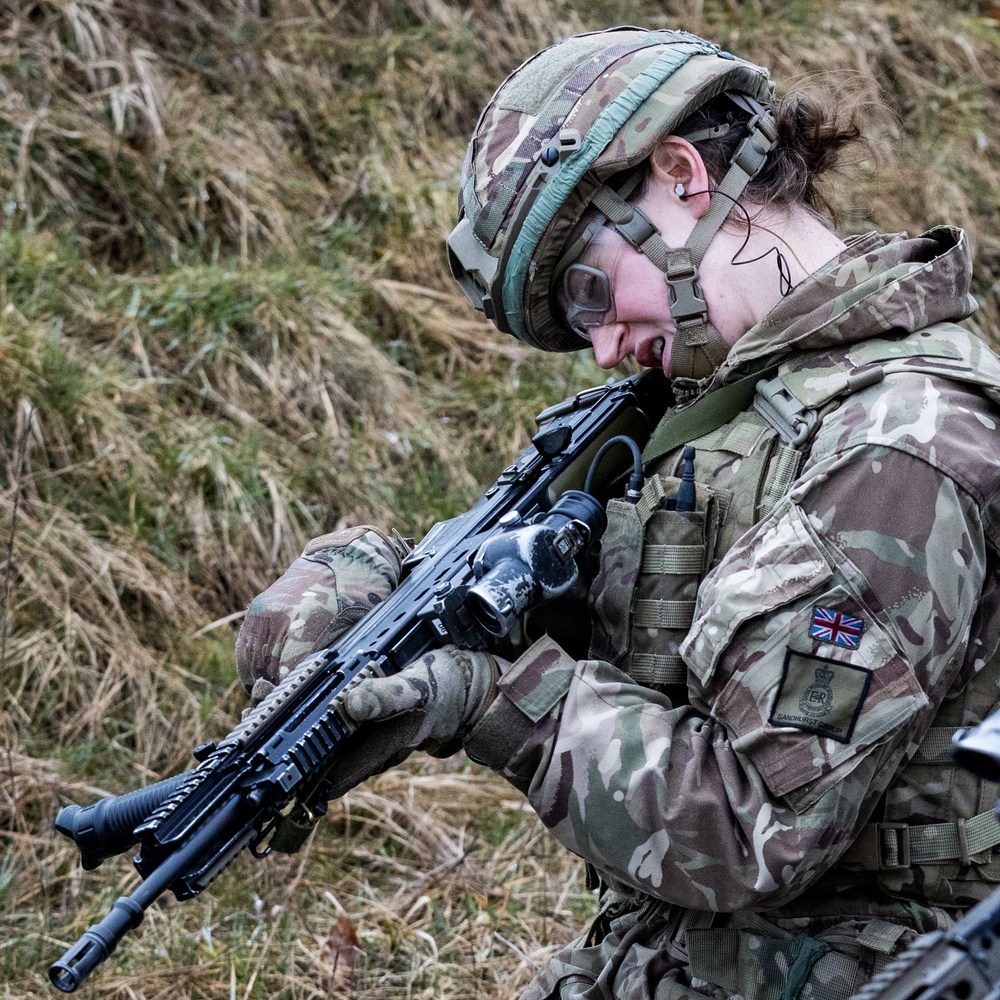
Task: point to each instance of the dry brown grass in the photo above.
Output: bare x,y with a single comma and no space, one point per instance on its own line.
226,325
424,883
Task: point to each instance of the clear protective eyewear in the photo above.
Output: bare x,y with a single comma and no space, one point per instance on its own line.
584,291
587,299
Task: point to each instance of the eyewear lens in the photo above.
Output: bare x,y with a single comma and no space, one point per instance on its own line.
588,300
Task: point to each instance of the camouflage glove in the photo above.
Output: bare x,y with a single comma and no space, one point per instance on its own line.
334,583
432,704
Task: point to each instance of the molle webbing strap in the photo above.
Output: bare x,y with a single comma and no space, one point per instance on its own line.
785,472
663,614
889,846
706,414
881,936
672,559
937,747
555,192
657,668
626,527
652,493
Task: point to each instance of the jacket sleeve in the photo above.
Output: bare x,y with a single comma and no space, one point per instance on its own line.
821,646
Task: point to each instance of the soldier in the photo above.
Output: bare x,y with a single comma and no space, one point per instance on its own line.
752,755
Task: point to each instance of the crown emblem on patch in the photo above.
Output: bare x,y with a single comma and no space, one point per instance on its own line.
817,699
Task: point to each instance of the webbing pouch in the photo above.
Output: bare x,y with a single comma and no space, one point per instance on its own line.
614,585
758,966
653,557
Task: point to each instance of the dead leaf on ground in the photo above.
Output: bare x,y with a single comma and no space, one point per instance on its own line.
342,952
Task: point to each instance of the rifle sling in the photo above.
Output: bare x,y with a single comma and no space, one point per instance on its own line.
705,415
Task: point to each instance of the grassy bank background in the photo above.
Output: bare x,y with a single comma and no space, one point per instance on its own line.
226,325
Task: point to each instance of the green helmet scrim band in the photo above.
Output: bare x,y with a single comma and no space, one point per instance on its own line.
556,190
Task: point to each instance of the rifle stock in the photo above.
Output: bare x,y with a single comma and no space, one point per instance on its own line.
267,783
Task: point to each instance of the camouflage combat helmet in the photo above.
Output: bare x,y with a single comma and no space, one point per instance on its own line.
577,115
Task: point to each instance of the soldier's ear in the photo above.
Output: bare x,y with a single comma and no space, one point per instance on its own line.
675,162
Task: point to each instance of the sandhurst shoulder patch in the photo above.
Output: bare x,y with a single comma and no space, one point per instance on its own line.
820,695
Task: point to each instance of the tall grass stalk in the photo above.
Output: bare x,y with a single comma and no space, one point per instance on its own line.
14,478
227,325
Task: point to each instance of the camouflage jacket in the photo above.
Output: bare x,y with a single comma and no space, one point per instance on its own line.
846,603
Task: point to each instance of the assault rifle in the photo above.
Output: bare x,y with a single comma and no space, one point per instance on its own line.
962,963
267,783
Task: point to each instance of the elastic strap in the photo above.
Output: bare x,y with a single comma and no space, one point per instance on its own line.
808,951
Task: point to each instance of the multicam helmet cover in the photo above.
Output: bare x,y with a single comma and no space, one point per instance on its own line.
576,114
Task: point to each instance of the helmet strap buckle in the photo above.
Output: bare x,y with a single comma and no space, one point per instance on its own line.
687,305
752,152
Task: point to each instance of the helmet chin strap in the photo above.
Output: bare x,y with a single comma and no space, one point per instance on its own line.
698,347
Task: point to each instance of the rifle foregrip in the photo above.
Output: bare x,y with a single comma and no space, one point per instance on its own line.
104,829
95,945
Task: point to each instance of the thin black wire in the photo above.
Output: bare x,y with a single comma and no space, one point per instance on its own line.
602,451
785,285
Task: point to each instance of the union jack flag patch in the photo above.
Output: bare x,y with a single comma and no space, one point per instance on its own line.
836,627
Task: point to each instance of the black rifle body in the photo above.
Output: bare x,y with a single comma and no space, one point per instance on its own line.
265,785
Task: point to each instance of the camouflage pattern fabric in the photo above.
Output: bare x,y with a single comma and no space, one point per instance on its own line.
337,579
587,83
825,639
447,690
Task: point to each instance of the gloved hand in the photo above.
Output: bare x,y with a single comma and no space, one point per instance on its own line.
334,583
446,691
431,705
